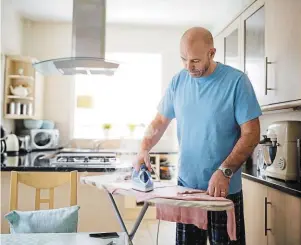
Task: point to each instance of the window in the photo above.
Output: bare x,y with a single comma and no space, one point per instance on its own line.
129,97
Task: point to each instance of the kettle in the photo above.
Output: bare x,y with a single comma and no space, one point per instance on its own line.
12,144
3,145
2,141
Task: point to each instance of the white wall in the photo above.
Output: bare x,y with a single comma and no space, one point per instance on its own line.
270,117
46,41
11,43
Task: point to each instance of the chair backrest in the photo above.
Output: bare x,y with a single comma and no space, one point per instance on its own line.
42,180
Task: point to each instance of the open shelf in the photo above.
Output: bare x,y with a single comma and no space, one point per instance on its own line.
19,71
11,116
19,98
23,59
30,78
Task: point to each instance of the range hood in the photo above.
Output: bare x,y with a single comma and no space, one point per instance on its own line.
88,44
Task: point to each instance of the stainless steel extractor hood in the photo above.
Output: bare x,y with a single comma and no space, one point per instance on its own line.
88,44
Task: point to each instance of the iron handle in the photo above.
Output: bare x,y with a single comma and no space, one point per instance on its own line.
266,216
266,76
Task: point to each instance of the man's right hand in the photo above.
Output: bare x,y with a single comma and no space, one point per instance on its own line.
142,158
152,135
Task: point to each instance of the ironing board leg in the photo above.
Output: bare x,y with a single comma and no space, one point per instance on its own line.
138,221
118,214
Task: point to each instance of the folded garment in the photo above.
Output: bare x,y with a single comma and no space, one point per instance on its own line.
194,215
182,214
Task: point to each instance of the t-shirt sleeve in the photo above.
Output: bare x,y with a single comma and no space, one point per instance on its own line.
246,104
166,104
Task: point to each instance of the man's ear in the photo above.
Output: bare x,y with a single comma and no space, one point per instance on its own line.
212,53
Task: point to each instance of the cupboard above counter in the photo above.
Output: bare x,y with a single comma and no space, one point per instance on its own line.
263,41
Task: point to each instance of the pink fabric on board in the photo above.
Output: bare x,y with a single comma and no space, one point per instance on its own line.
187,215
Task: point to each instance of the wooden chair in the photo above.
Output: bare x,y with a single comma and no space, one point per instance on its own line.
42,180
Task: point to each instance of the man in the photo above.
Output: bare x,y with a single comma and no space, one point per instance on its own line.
218,128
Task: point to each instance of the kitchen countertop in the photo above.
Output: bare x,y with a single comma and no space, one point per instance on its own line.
292,188
33,162
118,151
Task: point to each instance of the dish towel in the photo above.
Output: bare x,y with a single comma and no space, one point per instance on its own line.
175,213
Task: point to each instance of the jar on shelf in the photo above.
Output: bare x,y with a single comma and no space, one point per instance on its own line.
29,109
12,108
18,108
24,109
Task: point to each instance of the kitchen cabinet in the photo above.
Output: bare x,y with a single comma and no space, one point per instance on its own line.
253,23
283,49
284,218
232,45
228,45
219,46
24,89
272,50
272,217
254,198
269,49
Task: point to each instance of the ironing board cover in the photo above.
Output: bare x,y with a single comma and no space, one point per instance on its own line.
165,192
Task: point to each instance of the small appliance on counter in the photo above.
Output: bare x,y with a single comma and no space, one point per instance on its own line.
24,142
3,143
12,144
42,139
280,150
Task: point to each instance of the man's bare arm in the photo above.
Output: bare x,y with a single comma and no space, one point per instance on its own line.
154,132
250,136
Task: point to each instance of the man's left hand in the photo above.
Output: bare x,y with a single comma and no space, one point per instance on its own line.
218,185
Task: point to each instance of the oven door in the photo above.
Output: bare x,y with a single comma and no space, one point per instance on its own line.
42,140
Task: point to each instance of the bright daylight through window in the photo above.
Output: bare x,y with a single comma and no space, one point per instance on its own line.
121,105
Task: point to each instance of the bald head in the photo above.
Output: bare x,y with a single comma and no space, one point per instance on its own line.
197,51
199,35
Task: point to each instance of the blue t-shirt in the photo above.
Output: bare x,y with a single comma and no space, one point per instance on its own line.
209,111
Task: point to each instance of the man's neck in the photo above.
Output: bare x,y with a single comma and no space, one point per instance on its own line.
211,68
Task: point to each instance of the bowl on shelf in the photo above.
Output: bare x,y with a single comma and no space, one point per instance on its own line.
48,124
32,124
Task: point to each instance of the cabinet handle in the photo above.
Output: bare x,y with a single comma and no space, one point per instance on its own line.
266,216
266,76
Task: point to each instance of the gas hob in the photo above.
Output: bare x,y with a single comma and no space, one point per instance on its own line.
85,158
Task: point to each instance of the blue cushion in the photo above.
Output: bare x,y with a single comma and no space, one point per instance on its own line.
61,220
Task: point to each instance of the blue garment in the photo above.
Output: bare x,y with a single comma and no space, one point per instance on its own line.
209,111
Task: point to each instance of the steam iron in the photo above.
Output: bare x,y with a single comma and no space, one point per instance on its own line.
142,180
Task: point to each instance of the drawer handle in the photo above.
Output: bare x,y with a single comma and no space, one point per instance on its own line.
266,216
266,75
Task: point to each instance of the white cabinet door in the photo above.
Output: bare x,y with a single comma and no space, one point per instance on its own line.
219,46
232,45
283,49
228,45
254,48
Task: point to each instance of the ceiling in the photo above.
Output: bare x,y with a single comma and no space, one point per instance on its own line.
212,14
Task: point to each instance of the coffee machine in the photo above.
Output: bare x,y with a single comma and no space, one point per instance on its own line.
280,150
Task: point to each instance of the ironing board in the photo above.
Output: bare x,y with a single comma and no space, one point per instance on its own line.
114,181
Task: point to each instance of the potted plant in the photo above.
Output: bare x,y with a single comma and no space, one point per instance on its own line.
132,128
106,127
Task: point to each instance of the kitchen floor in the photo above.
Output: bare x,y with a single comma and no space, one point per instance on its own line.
147,232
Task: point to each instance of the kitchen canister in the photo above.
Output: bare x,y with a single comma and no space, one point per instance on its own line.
29,109
12,108
18,108
24,109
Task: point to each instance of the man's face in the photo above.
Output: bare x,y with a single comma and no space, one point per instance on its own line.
196,58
